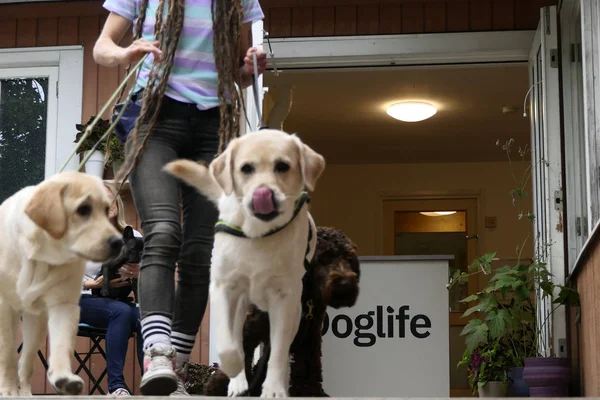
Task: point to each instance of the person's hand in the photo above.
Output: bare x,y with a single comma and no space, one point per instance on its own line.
131,271
119,282
136,50
94,284
261,61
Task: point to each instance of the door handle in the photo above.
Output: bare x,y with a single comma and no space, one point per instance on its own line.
475,236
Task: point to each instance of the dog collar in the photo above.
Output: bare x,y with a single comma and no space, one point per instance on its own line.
222,226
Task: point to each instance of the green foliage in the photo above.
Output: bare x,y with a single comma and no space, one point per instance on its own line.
116,149
503,314
23,111
486,363
197,377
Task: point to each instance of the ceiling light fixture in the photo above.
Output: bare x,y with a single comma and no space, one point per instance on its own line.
411,111
437,213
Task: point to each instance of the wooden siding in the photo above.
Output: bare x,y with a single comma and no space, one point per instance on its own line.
289,18
585,337
80,22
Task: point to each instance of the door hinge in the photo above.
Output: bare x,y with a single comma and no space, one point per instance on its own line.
553,58
578,226
558,200
547,18
56,89
585,226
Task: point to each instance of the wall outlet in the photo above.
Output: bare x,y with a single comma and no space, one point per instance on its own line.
562,347
491,222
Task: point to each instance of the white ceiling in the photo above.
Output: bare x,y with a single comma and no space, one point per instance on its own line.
341,113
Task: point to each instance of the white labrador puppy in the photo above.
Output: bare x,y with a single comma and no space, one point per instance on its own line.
260,246
46,234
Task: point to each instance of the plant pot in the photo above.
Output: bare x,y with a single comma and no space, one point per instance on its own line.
547,377
95,164
492,389
517,387
116,166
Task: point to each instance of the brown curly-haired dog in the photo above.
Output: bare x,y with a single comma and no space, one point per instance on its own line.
331,280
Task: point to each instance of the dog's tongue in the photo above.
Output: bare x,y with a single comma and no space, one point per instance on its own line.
262,201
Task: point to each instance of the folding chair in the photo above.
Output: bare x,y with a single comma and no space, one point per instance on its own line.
96,335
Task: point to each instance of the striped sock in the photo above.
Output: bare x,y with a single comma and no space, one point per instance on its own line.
156,329
183,344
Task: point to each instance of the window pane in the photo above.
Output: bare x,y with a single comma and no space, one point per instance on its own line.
23,117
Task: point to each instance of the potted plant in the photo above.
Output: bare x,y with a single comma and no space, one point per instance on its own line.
96,162
197,377
115,153
508,309
487,364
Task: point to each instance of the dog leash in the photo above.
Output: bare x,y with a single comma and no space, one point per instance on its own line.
89,128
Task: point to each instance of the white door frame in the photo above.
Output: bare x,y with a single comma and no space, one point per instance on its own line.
68,60
420,49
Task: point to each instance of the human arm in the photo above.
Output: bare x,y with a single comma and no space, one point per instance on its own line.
109,54
247,68
89,284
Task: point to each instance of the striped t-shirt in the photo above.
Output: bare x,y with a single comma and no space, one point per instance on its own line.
193,77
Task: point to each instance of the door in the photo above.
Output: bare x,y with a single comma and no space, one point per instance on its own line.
442,227
28,126
544,114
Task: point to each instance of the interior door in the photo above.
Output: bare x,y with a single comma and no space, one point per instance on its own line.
547,167
439,227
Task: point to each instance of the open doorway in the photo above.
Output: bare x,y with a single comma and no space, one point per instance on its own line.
383,173
433,227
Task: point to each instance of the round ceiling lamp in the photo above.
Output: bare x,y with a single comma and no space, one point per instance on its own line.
411,111
437,213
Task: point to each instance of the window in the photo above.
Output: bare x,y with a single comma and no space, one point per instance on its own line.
574,132
40,103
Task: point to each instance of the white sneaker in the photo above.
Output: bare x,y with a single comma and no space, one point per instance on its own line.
159,378
121,392
181,379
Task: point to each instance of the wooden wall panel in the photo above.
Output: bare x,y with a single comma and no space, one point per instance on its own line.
587,343
372,17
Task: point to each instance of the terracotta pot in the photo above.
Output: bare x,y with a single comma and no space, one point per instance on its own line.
547,377
492,389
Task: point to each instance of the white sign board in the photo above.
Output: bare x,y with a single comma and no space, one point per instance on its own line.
394,342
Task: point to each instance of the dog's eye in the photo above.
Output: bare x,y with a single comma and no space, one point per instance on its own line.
282,167
247,169
84,210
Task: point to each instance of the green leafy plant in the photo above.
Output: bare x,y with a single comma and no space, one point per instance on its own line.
112,147
486,363
506,306
197,377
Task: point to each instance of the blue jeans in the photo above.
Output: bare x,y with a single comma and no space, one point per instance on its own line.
120,320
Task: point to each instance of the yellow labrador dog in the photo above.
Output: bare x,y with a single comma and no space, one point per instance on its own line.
46,234
260,246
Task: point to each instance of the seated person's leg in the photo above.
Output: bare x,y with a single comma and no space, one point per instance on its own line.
120,320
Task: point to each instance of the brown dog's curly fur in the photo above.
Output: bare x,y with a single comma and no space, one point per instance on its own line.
331,280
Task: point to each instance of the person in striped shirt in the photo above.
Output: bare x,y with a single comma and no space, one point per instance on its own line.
198,55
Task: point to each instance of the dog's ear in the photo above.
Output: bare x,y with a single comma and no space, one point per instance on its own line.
222,168
128,232
312,164
47,210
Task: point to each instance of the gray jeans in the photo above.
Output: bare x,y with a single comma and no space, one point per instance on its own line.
182,131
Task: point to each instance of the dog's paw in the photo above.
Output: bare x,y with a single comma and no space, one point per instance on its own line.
273,390
67,384
25,390
238,385
232,362
9,391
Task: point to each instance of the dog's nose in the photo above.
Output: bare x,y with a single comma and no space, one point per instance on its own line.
115,244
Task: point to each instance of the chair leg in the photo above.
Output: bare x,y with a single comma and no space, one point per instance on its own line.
82,365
